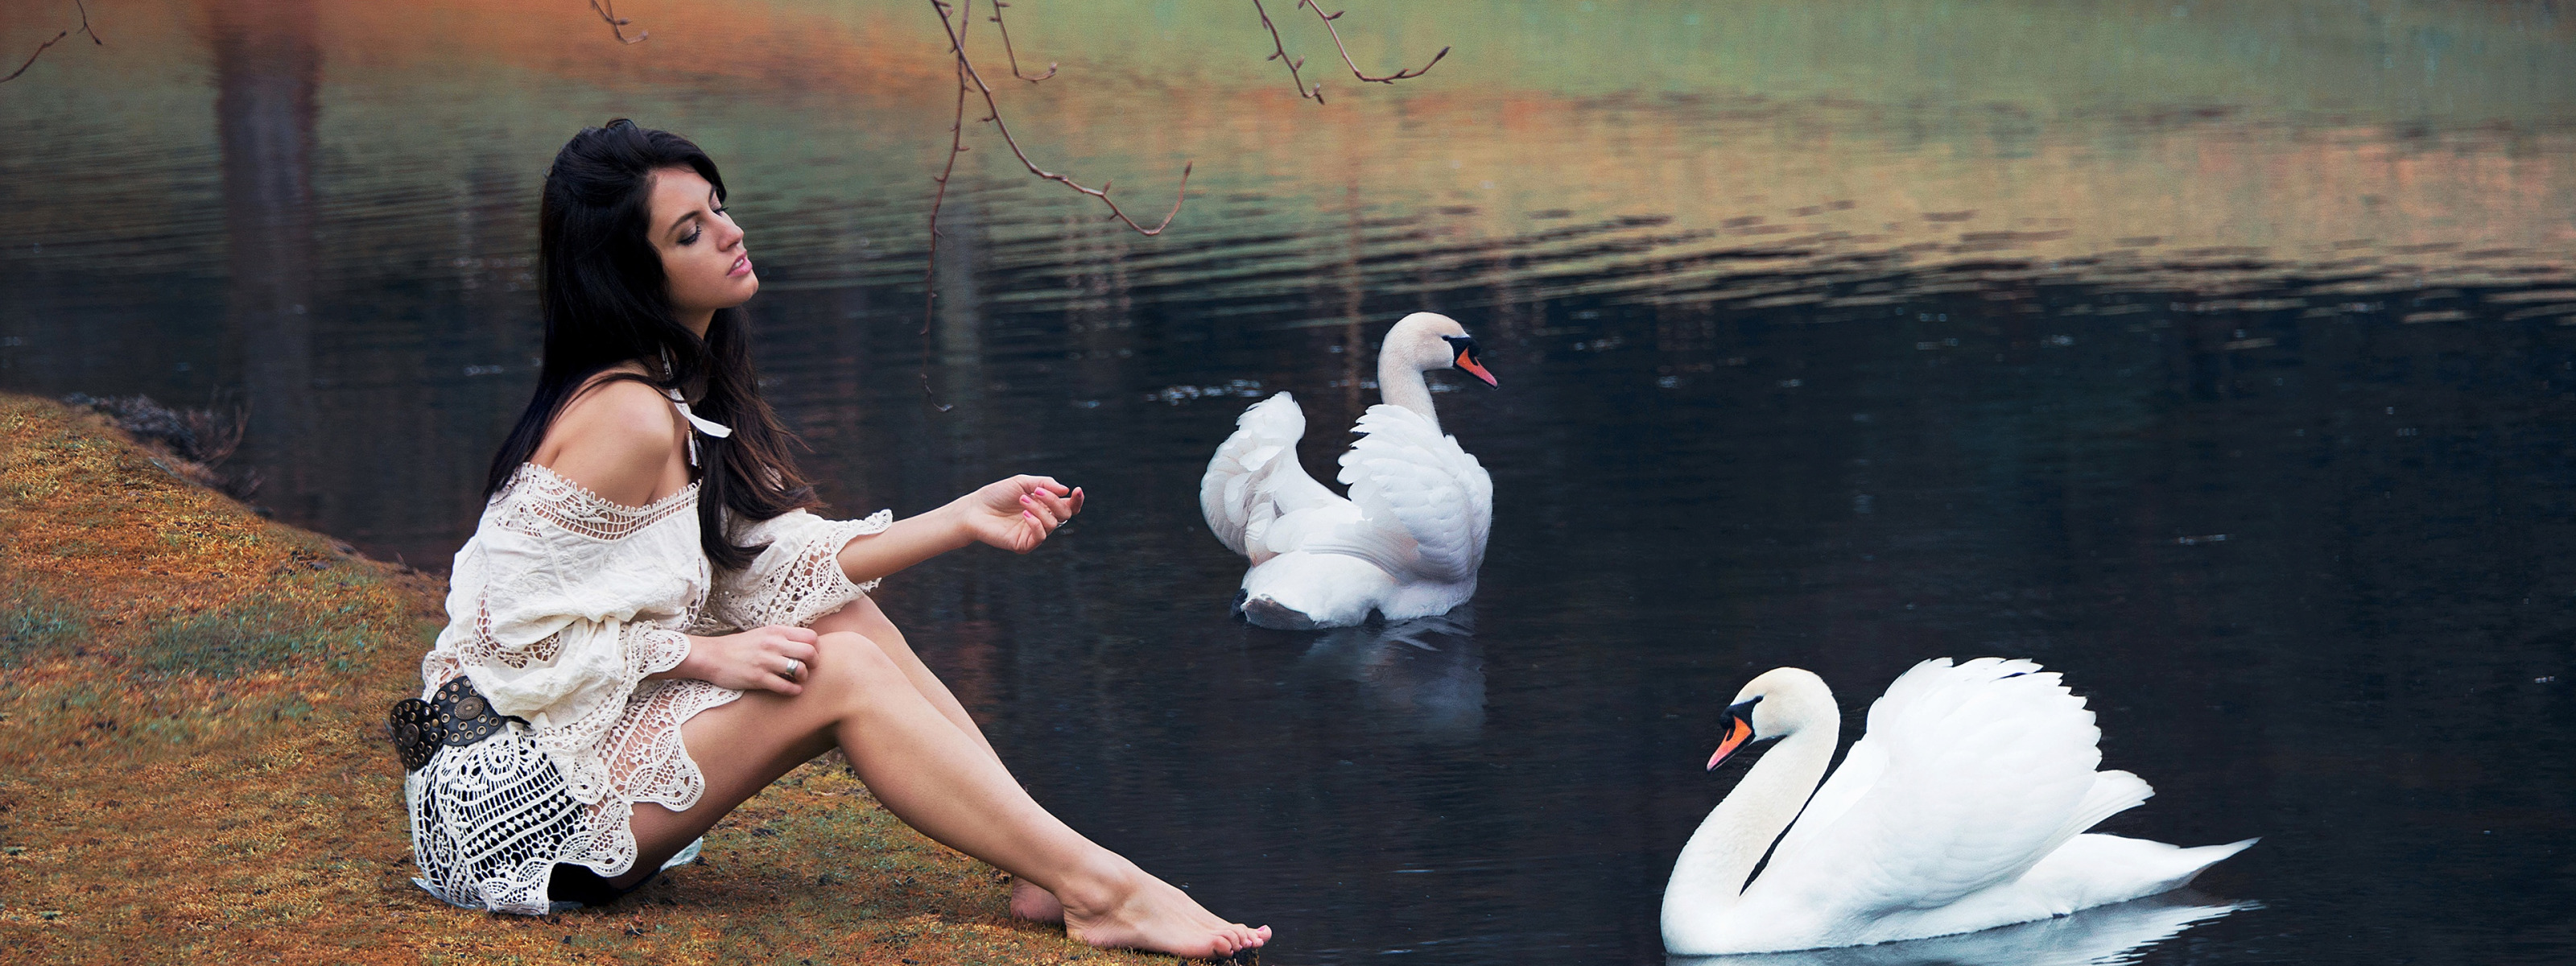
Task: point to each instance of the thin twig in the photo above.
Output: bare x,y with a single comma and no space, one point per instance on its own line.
85,28
31,58
607,10
1280,53
1328,19
994,116
998,7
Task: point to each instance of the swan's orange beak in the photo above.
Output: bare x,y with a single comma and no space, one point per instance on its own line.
1737,731
1467,358
1467,361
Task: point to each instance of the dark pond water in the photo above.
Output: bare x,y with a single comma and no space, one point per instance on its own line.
2222,360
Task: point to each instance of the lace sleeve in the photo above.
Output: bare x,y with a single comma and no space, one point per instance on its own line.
797,579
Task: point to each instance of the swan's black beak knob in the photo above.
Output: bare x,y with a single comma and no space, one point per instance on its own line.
1739,729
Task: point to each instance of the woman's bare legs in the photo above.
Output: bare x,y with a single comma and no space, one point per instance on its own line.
864,618
931,774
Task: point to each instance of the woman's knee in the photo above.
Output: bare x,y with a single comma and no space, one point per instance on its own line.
849,664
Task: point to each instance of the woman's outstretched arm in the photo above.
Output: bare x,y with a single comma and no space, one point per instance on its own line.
1015,514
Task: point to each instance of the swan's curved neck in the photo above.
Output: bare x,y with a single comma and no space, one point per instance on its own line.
1709,877
1400,383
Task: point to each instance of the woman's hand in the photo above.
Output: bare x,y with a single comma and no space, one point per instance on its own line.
770,658
1017,514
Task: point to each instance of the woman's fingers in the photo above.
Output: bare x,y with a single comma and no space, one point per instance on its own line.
1050,509
1059,507
788,678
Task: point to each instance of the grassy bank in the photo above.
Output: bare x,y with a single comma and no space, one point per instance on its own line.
192,764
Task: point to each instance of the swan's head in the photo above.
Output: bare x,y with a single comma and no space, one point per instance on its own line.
1430,340
1775,705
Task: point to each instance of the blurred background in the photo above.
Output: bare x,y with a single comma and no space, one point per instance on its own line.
2222,357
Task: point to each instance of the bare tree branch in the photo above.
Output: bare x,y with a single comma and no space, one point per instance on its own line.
31,58
607,10
993,116
998,7
1328,19
968,78
85,28
1280,53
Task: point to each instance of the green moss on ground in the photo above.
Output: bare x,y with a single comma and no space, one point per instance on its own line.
193,765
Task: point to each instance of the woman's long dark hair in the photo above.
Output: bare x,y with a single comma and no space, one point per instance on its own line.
606,302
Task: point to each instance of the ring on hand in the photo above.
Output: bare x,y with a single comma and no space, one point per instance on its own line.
795,669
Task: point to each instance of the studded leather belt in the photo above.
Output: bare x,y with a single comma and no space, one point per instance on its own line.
455,715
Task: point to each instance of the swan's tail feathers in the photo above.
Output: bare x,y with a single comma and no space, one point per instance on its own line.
2099,869
1426,506
2209,855
1255,477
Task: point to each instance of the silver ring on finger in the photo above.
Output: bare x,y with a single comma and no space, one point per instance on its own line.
795,669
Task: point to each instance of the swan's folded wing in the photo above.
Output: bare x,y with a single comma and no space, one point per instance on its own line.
1980,767
1425,505
1255,476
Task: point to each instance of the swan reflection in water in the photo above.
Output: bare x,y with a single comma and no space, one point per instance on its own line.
2100,935
1425,674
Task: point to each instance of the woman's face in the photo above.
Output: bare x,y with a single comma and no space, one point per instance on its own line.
702,251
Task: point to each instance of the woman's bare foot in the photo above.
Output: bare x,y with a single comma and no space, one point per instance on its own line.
1030,902
1154,916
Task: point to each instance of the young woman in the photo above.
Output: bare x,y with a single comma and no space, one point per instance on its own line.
648,626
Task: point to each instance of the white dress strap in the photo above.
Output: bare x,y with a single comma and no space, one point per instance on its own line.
702,425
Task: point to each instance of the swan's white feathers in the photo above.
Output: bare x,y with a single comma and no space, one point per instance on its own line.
1255,478
1970,774
1961,809
1426,505
1406,542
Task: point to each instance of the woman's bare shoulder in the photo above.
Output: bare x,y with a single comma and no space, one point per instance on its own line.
616,438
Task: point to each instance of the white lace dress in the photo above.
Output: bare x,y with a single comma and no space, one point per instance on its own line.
558,609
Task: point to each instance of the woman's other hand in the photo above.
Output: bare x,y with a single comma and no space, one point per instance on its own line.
772,658
1017,514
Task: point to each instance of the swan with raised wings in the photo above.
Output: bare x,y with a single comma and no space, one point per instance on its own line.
1963,808
1407,540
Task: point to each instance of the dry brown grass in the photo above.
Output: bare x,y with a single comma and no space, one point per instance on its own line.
192,768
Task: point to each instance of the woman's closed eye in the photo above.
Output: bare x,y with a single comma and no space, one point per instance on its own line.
696,229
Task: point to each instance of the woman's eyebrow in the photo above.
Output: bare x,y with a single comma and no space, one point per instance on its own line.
684,219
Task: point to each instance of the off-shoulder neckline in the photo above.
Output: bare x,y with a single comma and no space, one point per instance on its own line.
677,496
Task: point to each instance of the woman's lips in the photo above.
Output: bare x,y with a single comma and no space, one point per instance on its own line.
741,267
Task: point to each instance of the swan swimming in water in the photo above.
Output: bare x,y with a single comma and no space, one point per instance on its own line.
1963,808
1406,542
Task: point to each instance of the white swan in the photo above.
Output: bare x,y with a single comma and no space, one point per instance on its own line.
1407,541
1960,810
